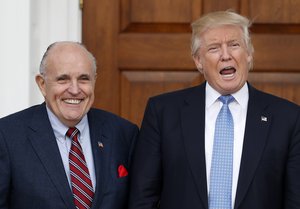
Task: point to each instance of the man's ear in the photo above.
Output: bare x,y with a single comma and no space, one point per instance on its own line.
198,63
40,81
249,60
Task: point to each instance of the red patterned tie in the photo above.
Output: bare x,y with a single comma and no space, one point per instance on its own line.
81,182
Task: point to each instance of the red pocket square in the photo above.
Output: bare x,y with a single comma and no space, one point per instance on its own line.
122,171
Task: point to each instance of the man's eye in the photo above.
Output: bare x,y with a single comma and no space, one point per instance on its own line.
84,78
62,80
235,44
212,49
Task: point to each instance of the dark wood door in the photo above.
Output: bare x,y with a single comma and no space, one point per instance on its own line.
143,48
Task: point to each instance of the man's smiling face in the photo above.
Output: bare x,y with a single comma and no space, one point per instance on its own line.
68,82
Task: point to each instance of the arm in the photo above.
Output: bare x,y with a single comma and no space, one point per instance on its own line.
132,138
292,194
4,174
146,169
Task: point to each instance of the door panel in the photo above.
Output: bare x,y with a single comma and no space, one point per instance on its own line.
143,48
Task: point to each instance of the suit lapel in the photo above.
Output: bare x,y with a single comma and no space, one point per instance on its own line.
101,147
193,124
256,131
42,138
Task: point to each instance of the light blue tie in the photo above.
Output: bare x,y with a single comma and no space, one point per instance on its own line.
221,166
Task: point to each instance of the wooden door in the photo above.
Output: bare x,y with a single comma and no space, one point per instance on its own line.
143,48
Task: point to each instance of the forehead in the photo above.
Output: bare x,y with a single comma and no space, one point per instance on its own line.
69,59
222,33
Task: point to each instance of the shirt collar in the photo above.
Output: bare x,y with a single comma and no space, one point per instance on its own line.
61,129
241,96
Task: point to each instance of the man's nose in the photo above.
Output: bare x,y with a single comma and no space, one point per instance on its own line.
74,87
225,53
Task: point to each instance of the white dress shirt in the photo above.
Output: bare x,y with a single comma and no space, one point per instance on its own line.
64,144
238,110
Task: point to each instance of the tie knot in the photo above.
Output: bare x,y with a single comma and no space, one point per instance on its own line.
226,99
72,132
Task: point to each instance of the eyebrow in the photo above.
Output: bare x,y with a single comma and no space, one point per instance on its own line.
214,42
234,40
66,76
63,76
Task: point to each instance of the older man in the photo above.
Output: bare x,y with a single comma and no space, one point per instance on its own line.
223,144
63,154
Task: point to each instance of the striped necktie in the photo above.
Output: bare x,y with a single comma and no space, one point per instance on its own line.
82,187
221,166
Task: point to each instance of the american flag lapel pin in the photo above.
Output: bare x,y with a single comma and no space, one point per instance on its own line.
264,118
100,145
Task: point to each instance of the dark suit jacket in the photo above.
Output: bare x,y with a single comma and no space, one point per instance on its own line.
169,163
32,175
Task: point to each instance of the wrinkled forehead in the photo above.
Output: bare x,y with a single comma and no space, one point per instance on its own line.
222,30
222,33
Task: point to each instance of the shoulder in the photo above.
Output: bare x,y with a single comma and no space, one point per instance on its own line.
272,100
280,108
112,125
15,127
177,97
22,116
102,116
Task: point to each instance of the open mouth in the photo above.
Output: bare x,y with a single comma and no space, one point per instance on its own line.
228,71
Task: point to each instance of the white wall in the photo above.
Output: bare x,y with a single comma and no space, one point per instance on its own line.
14,55
27,28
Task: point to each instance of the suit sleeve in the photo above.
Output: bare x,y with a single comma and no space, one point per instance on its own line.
132,141
292,194
4,174
146,169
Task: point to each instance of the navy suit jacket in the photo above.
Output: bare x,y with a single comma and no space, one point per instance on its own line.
169,169
32,175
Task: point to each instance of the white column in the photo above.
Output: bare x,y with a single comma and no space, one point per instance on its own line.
14,55
27,28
